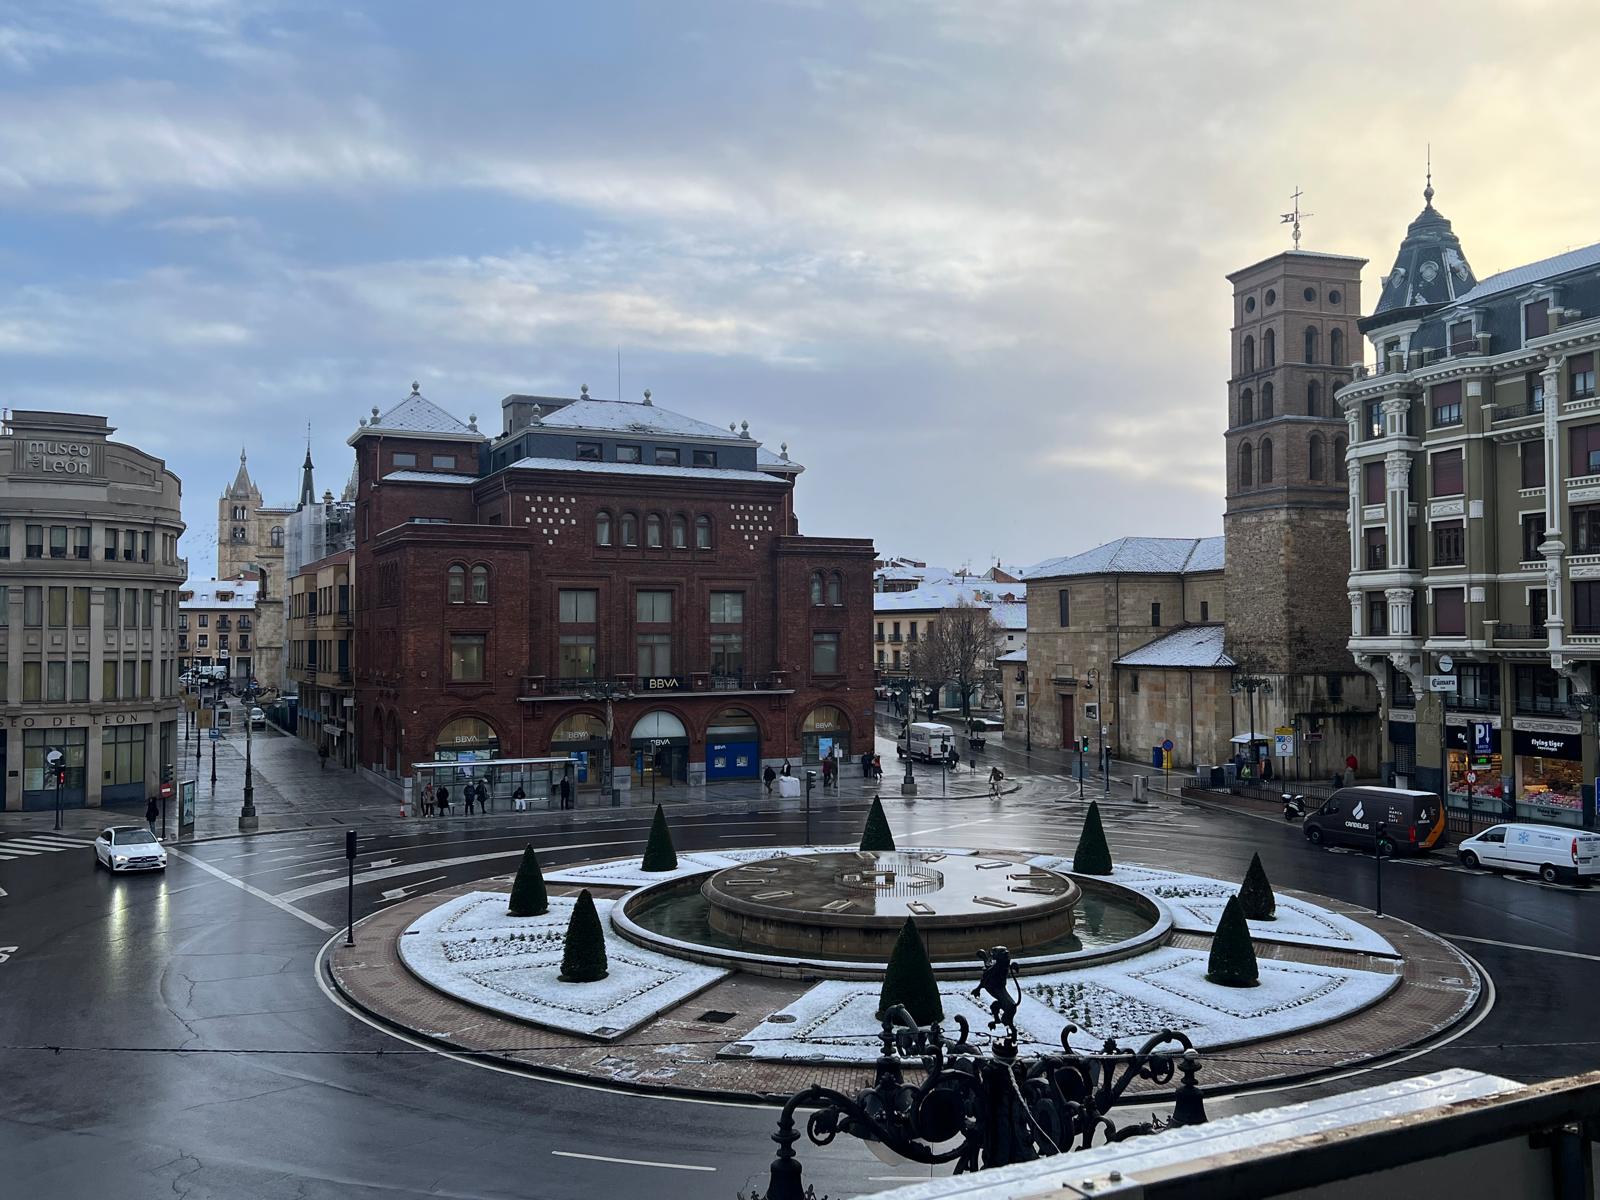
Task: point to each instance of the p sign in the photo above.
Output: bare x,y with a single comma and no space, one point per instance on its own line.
1482,733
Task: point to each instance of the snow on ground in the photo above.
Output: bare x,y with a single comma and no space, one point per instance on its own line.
630,873
1197,903
471,949
1126,1001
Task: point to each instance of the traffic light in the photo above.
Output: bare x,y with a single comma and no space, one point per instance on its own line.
1083,744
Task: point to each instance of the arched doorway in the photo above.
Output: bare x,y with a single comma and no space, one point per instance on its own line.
825,729
582,738
660,746
733,746
466,739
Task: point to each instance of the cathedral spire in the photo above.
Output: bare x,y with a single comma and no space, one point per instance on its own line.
308,493
242,486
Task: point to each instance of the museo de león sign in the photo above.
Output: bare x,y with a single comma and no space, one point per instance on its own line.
48,456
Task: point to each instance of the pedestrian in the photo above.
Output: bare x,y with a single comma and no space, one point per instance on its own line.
566,791
877,768
441,801
996,775
486,794
827,771
427,800
468,796
322,755
152,813
519,799
866,765
769,777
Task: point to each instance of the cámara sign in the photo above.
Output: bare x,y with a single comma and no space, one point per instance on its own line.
45,456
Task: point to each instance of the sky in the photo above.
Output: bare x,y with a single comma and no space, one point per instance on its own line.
966,258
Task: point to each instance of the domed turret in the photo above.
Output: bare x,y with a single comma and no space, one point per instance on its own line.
1429,269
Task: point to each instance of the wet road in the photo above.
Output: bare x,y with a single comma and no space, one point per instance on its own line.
199,1055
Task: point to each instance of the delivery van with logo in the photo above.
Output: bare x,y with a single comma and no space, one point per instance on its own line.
1551,852
1394,820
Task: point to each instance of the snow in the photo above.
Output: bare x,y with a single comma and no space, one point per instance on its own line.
630,873
1534,272
1126,1001
947,593
1197,902
1192,646
1137,556
591,467
417,414
625,416
204,593
428,477
471,949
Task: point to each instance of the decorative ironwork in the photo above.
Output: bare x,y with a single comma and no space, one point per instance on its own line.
986,1108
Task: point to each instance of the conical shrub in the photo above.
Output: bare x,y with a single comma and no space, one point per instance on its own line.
1256,897
1093,856
528,897
877,835
658,852
583,958
909,979
1233,958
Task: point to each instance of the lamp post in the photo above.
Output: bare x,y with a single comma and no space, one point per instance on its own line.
608,692
1251,684
248,820
908,785
53,760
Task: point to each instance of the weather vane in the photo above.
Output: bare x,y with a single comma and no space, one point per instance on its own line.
1295,216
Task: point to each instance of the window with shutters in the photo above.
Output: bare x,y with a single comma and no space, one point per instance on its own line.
1580,377
1533,464
1583,444
1449,544
1535,319
1447,473
1447,404
1450,612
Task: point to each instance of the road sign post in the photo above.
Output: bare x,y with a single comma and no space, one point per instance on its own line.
350,887
1443,685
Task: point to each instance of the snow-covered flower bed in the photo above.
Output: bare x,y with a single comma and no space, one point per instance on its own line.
1197,902
629,872
469,948
1125,1001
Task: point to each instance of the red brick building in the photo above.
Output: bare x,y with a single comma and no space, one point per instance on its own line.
506,585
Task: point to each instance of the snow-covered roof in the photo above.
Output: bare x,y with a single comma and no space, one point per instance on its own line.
624,416
204,593
645,469
428,477
417,414
1137,556
768,461
931,597
1013,656
1011,614
1191,646
1545,268
924,573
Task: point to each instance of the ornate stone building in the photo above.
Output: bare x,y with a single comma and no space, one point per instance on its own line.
250,545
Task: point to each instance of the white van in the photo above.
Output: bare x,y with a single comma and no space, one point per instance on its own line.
930,741
1551,852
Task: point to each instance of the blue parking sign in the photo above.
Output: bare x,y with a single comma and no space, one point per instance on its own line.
1481,732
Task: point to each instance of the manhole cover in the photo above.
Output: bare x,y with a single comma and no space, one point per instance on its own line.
715,1017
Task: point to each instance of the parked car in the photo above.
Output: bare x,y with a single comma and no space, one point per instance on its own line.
1553,852
1412,821
258,718
129,848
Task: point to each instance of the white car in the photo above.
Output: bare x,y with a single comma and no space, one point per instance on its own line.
1552,852
129,848
258,719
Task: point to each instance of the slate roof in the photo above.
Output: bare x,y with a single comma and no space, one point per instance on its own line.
1429,268
417,414
205,593
645,469
768,461
428,477
1137,556
1534,272
1191,646
624,416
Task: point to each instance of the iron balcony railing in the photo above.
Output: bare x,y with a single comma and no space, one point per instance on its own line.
1517,412
1520,633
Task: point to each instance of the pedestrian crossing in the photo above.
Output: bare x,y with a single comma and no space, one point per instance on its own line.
43,843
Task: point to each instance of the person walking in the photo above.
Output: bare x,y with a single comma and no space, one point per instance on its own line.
877,768
152,814
322,755
996,776
769,777
427,799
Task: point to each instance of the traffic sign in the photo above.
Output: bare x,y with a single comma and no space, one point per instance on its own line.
1446,663
1472,777
1166,744
1442,683
1284,747
1481,732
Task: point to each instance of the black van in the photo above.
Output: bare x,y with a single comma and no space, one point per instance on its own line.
1413,822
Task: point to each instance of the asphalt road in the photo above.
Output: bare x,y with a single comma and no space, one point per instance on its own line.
200,1056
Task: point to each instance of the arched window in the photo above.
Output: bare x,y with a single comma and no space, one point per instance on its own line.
1247,471
680,532
1269,347
1247,406
1313,397
702,533
602,529
456,580
1266,460
630,529
816,587
480,585
238,512
835,588
1311,343
1314,457
652,530
1247,355
1266,402
1336,347
277,535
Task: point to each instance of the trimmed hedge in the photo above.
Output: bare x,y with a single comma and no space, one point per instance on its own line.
528,895
1233,957
1256,897
877,835
583,958
909,979
1093,856
658,852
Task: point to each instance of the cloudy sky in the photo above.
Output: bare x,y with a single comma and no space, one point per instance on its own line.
965,256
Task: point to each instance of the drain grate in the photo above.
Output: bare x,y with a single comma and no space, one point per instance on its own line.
715,1017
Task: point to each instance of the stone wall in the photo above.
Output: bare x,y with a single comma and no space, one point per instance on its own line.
1287,608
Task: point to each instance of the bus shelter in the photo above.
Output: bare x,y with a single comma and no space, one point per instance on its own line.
539,779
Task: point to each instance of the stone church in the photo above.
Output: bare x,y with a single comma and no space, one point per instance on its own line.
250,545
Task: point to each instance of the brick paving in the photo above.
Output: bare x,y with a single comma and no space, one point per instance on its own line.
677,1051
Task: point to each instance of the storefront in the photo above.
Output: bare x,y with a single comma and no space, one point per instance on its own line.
733,746
824,729
122,769
660,746
1549,776
38,788
1477,767
582,738
466,739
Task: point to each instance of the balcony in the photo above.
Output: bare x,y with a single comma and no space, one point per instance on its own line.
1519,412
1504,632
1546,706
1478,704
895,637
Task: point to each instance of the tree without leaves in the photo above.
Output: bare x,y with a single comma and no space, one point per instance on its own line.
528,895
959,647
658,852
909,979
583,957
877,835
1093,856
1233,957
1256,897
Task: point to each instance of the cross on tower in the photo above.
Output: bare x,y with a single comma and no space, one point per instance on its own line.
1295,216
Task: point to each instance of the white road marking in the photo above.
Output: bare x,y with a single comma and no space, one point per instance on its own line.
400,893
315,874
1461,937
379,863
254,891
52,841
17,851
630,1162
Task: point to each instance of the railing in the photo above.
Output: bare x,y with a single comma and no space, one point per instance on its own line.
1470,346
1449,560
1545,706
1484,704
895,637
633,686
1520,633
1517,412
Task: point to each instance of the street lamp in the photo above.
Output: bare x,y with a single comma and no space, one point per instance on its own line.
248,821
608,692
908,785
53,760
1251,684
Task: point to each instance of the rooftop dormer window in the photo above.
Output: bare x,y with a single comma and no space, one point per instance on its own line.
589,452
705,458
629,454
667,456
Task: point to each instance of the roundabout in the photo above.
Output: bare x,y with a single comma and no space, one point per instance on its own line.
751,973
